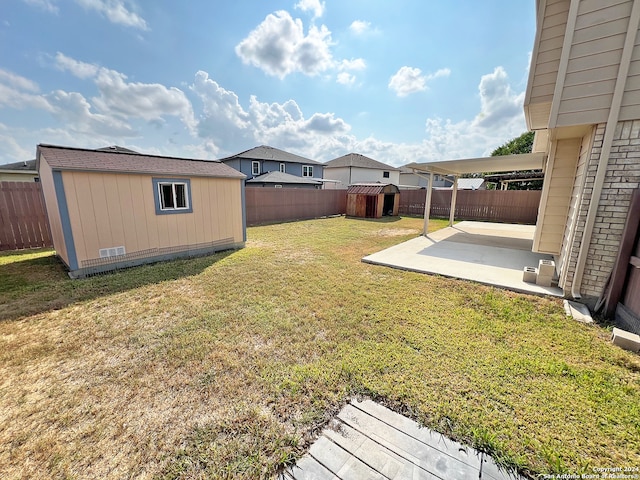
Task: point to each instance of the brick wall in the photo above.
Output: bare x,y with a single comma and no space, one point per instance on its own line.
622,177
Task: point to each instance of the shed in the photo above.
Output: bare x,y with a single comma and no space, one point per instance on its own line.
372,200
114,209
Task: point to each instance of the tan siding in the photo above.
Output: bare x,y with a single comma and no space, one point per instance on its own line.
111,210
548,52
593,62
556,196
574,205
53,209
630,106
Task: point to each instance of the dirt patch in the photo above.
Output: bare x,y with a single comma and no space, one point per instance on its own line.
395,232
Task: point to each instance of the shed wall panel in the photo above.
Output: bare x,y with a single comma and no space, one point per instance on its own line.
53,209
111,210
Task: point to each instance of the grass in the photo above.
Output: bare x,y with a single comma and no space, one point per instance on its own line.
228,366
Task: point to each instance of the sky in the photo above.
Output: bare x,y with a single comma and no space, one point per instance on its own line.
398,81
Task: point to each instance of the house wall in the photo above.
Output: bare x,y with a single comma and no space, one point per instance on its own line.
593,63
552,22
17,177
567,260
53,210
350,175
556,196
630,108
244,165
111,210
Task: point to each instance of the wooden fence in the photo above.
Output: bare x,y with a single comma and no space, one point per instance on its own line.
503,206
23,219
273,205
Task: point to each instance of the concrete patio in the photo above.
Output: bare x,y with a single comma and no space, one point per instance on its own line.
490,253
369,441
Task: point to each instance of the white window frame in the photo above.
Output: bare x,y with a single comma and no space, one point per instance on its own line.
173,183
283,168
307,171
255,168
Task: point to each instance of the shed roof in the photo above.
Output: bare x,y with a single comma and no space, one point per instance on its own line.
372,188
358,160
264,152
501,163
283,178
66,158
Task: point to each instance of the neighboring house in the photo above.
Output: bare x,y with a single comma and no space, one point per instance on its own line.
109,209
583,102
411,180
283,180
116,148
355,168
19,172
264,159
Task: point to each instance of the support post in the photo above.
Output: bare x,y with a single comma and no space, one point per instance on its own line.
427,205
454,196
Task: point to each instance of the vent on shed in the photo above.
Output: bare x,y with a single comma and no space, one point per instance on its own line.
111,252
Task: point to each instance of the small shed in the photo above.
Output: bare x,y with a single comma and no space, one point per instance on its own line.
114,209
372,200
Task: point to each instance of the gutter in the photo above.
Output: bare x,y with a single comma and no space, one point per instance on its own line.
612,121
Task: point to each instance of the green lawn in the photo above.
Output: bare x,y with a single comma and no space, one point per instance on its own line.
228,366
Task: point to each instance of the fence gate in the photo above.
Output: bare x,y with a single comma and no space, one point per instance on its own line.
624,291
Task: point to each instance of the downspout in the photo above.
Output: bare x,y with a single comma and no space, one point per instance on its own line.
607,141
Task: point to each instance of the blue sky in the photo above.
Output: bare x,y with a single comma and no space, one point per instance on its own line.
402,81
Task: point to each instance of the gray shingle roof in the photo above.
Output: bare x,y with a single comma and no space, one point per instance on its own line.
358,160
65,158
265,152
284,178
27,165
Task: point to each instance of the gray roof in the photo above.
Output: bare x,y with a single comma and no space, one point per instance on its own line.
66,158
357,160
25,166
116,148
282,178
265,152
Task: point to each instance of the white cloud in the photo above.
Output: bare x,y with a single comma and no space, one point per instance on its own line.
79,69
355,64
116,11
46,5
21,83
316,6
499,103
359,26
149,101
75,111
410,80
345,78
279,47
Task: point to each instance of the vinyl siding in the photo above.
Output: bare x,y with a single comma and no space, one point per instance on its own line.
556,196
593,61
574,206
549,49
630,108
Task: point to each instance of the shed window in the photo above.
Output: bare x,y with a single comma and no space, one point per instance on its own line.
385,174
255,168
172,195
283,168
307,171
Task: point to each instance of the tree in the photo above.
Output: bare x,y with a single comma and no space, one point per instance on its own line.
521,144
516,146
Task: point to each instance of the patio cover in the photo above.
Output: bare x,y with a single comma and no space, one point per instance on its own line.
497,164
